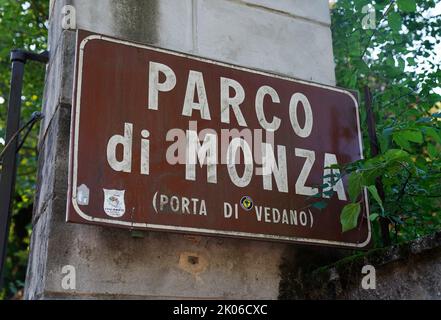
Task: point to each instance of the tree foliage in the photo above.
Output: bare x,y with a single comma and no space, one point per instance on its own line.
398,60
23,25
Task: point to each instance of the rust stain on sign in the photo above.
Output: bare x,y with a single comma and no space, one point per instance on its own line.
169,142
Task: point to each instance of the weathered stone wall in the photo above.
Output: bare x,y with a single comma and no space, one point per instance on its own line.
290,37
407,271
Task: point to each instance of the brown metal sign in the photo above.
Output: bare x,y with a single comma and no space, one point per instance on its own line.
170,142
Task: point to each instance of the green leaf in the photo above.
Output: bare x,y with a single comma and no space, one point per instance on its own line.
373,216
394,21
355,185
432,151
395,154
431,132
411,61
403,137
412,135
329,193
374,192
407,5
320,205
349,216
401,141
390,61
401,63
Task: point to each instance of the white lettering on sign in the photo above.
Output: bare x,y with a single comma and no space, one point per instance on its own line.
179,205
196,85
205,153
171,142
124,165
126,141
296,99
232,160
271,168
233,102
207,149
260,96
301,188
155,86
337,184
145,152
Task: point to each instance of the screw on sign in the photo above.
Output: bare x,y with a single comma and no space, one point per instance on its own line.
169,142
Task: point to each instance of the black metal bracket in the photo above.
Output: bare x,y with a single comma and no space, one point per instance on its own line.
24,56
9,164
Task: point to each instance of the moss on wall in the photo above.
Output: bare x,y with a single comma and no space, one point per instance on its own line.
342,279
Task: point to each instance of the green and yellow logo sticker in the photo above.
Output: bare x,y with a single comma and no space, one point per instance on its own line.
246,203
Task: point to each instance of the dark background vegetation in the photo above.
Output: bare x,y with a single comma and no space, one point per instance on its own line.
23,25
399,60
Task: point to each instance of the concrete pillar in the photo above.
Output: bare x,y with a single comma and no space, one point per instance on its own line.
290,37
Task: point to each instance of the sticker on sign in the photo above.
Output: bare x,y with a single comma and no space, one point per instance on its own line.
170,142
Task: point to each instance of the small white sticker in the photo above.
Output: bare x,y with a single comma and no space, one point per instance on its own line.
114,205
83,195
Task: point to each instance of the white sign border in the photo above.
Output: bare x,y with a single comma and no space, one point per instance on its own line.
247,235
